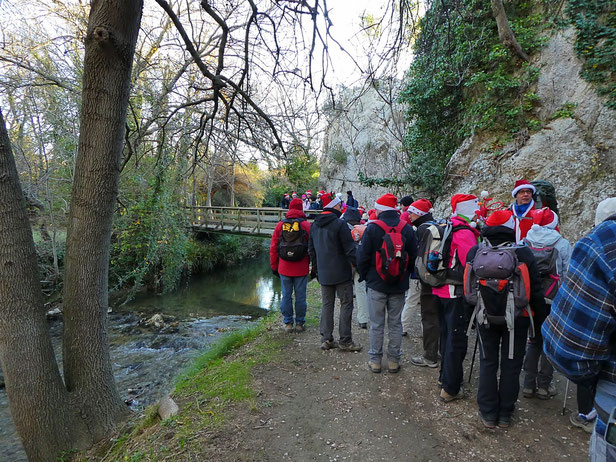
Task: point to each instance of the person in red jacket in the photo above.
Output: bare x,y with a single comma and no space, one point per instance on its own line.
522,208
290,261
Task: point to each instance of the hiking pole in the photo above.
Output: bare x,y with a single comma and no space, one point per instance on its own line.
566,393
470,373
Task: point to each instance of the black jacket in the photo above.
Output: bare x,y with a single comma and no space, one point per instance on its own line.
371,243
498,235
331,248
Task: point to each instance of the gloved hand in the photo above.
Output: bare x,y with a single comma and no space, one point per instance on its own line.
275,273
434,259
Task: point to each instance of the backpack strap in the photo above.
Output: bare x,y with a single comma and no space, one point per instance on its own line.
385,227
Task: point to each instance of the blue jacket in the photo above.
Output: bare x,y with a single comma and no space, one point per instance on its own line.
580,333
371,243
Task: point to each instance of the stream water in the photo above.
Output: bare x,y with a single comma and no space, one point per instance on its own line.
145,358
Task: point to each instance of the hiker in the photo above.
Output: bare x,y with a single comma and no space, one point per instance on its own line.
578,334
290,261
305,202
352,218
502,343
351,201
552,253
385,257
522,207
332,252
405,203
285,201
421,215
451,308
315,204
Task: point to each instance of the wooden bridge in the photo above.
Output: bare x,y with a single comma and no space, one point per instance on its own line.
253,221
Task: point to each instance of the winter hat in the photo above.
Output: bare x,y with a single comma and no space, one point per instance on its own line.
501,218
296,204
545,217
372,214
328,202
352,215
421,207
286,195
309,192
605,209
303,196
294,194
386,202
406,201
466,205
522,184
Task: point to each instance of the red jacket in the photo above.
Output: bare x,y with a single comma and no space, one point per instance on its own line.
284,267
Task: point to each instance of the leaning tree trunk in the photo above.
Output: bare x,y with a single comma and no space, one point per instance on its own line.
504,30
112,32
39,402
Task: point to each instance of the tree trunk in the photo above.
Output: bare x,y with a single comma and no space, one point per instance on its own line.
504,30
111,37
37,397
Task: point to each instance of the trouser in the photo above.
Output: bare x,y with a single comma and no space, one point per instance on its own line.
452,323
289,285
411,301
496,398
361,297
381,305
538,371
429,322
585,395
328,297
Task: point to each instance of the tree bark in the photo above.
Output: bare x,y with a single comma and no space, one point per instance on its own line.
504,30
39,402
111,37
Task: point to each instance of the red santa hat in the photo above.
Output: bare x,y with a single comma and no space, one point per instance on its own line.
309,192
294,194
386,202
371,214
329,202
466,205
501,218
286,195
545,217
421,207
296,204
522,184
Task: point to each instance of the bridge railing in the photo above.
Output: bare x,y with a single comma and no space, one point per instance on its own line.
239,220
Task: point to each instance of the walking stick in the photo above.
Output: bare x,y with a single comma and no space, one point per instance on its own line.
470,373
566,393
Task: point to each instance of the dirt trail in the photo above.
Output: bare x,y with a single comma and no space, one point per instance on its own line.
327,406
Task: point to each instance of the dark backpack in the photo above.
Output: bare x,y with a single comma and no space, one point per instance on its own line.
293,242
545,195
498,285
546,258
432,263
392,259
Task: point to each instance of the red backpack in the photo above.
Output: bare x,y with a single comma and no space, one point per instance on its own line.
391,259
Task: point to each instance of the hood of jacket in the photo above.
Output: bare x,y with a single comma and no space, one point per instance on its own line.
327,217
423,219
294,213
498,235
541,236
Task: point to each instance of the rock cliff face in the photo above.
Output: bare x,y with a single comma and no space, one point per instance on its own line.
577,154
364,134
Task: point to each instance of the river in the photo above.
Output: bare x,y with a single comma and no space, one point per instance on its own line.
146,358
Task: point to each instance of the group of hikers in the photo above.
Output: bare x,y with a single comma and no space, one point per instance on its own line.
506,272
316,203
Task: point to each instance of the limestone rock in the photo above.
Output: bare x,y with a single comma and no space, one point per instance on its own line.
167,408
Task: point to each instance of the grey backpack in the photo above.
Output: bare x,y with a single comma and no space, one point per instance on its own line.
498,285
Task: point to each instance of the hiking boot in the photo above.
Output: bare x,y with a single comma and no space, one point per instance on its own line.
329,344
577,420
447,398
528,392
546,393
504,421
363,325
288,328
393,367
350,346
423,362
299,327
374,367
487,423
